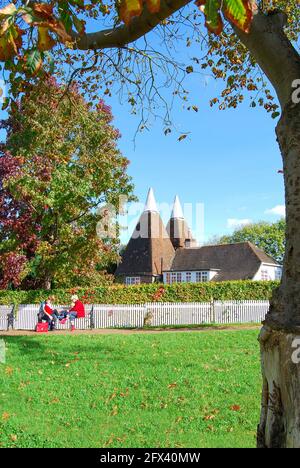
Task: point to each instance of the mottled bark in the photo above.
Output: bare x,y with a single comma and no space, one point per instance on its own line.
280,410
280,414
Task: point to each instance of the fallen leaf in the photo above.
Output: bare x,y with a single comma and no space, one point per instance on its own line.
235,408
8,370
172,385
209,417
5,416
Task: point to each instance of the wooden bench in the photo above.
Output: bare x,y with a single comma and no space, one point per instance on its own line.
84,323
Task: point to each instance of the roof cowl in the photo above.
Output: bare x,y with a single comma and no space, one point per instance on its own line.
177,212
150,202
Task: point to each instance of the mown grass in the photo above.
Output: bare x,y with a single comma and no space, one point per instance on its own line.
193,389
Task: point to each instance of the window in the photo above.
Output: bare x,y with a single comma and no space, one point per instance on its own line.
265,275
179,277
278,274
133,280
173,278
168,278
204,276
201,276
188,277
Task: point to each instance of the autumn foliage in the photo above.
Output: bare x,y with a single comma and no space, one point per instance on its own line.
59,163
58,22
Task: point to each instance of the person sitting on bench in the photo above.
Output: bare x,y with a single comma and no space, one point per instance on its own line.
49,314
77,310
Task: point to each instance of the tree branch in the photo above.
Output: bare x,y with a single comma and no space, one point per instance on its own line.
273,52
122,35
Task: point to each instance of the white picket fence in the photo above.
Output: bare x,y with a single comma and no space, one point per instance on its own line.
151,314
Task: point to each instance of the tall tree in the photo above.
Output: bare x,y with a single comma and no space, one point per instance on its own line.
59,163
256,33
269,237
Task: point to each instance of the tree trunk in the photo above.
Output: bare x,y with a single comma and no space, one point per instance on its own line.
280,411
47,283
280,414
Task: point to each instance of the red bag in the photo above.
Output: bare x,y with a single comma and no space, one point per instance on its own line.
41,327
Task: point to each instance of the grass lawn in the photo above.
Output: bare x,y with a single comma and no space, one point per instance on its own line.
193,389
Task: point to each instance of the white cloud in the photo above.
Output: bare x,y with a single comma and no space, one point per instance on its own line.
278,210
235,222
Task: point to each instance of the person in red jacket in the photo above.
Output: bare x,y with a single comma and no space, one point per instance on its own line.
77,310
49,314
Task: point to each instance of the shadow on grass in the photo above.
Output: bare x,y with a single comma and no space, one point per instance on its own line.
45,349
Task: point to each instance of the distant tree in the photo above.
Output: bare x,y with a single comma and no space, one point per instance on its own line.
59,163
269,237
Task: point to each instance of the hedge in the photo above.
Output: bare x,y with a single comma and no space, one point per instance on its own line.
139,294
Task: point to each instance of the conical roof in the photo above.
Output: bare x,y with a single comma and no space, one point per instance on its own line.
149,251
177,212
150,204
178,229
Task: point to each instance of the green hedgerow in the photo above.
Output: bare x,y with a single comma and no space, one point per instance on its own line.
139,294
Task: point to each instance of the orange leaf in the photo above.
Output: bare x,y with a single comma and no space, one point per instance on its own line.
172,385
235,408
129,9
58,28
5,416
8,370
45,41
43,10
153,5
10,43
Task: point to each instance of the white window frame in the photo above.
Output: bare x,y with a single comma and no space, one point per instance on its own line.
202,276
264,275
278,274
188,277
179,277
131,280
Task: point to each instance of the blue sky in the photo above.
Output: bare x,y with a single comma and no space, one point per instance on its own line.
229,162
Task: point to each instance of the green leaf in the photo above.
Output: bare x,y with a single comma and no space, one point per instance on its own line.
239,12
33,61
211,10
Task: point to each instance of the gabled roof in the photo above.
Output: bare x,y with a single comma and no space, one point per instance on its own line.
234,261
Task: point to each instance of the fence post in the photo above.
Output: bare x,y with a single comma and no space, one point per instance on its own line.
212,311
92,318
